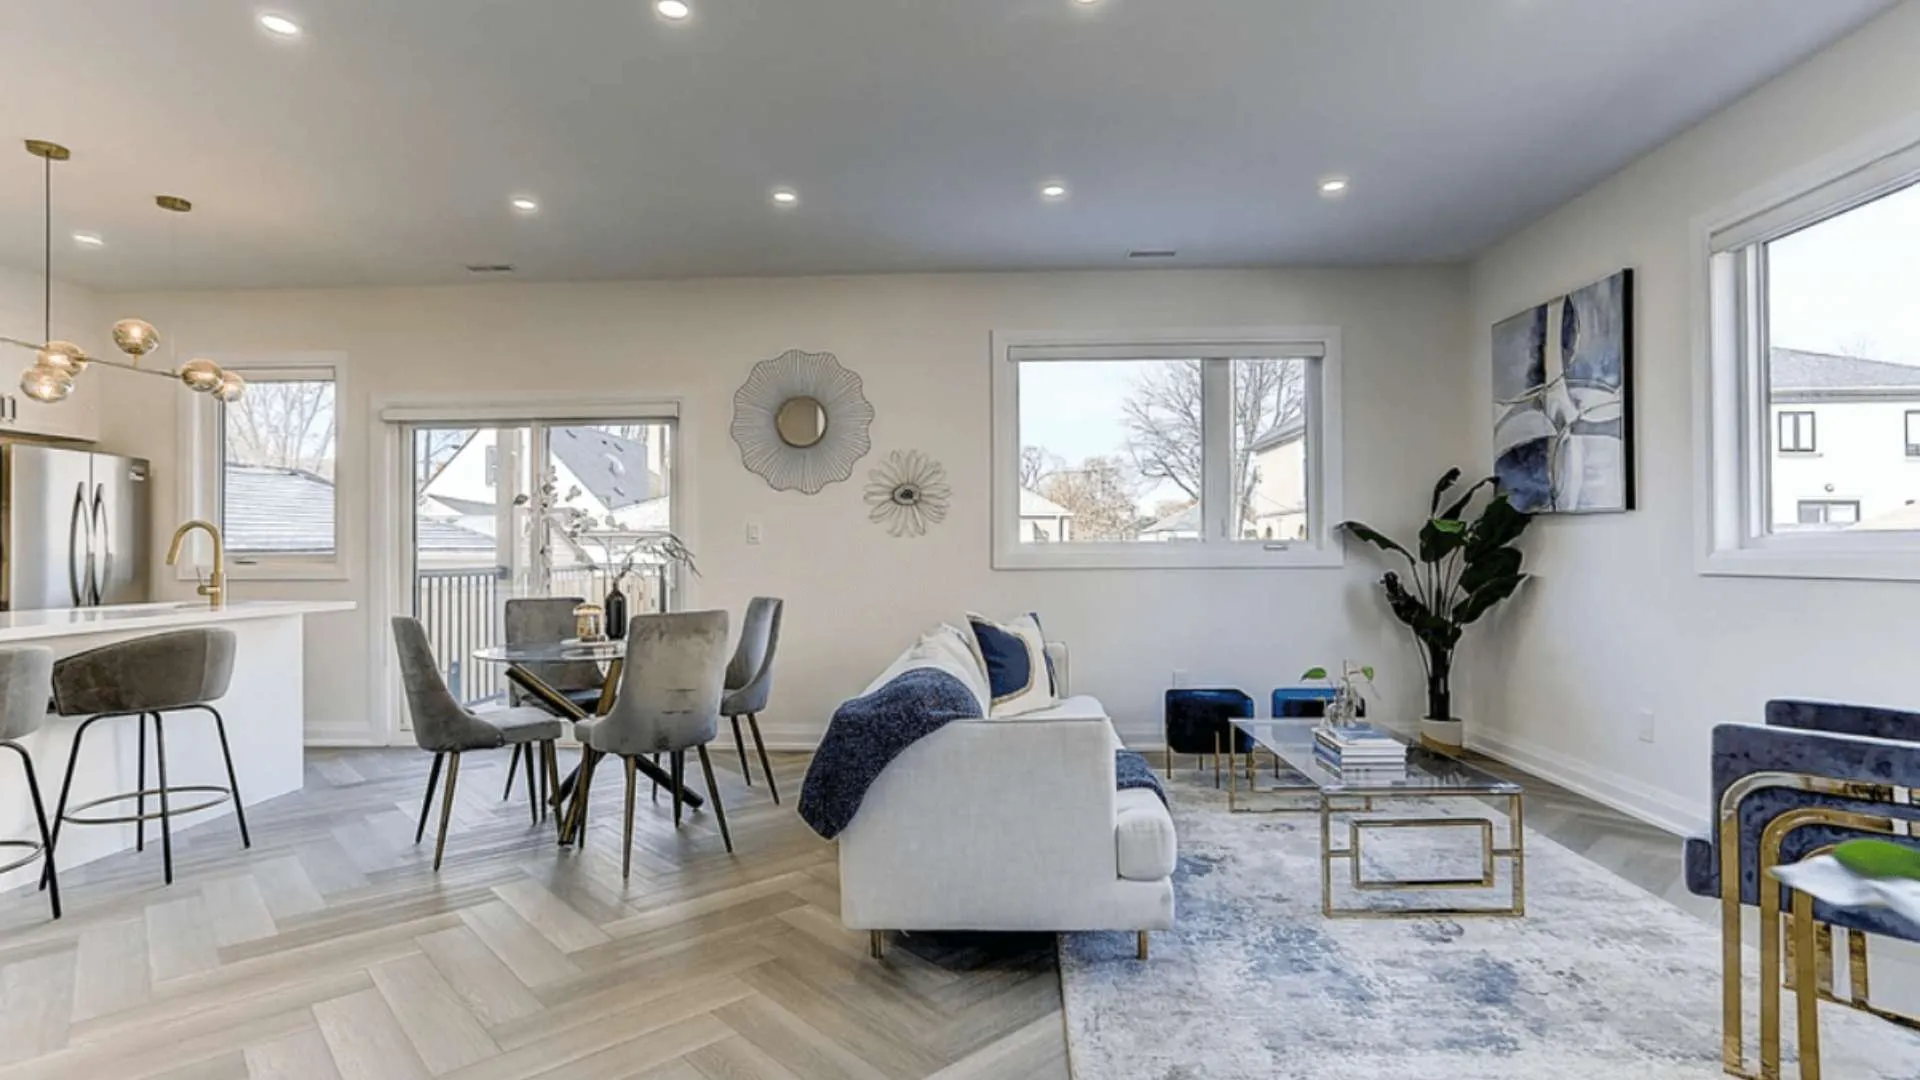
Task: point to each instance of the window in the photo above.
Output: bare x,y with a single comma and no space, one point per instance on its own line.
269,470
1795,433
1175,450
1839,512
1812,344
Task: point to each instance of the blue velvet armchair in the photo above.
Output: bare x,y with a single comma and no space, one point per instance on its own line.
1814,775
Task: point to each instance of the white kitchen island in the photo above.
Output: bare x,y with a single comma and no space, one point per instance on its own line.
263,710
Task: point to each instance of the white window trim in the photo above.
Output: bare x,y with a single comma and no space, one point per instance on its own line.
1321,549
199,497
1731,432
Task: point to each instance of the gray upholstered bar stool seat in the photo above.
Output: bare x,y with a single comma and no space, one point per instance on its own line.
448,729
147,678
547,620
668,702
26,681
750,681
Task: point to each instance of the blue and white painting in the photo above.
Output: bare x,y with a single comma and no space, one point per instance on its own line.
1562,411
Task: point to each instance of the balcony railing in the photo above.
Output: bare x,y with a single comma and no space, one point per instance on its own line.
464,608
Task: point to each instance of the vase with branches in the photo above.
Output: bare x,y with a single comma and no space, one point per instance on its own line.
1460,567
603,545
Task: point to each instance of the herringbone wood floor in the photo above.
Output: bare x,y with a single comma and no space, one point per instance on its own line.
332,950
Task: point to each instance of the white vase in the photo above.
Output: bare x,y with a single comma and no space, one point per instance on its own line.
1443,735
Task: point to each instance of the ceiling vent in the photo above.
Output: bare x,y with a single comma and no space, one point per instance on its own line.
489,268
1152,253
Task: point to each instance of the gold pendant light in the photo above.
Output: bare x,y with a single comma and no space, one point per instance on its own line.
57,363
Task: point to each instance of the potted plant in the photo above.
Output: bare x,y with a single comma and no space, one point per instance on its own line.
1344,709
1459,569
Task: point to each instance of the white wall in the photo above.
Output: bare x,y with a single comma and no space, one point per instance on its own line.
855,595
1619,621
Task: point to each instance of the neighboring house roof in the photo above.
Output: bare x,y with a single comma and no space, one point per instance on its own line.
289,510
1814,374
1180,521
613,469
1280,434
466,507
1035,505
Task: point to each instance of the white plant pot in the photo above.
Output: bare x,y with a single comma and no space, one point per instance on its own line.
1443,734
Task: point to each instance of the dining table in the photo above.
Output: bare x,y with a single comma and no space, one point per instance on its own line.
522,662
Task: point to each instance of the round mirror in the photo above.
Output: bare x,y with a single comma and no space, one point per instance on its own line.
801,421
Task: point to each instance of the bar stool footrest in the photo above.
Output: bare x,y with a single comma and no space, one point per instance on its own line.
224,795
34,849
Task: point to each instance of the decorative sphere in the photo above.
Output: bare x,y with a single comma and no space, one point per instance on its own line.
232,387
64,356
202,375
135,337
48,384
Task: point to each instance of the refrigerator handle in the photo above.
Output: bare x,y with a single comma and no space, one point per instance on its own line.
73,545
100,574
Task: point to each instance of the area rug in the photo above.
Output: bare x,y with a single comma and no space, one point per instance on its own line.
1601,979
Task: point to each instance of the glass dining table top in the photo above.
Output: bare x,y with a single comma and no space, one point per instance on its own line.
548,652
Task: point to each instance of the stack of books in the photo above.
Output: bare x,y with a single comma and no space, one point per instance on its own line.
1360,749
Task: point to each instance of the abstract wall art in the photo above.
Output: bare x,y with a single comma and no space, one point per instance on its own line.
1563,402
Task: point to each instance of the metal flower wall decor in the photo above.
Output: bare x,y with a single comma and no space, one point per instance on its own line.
801,421
907,493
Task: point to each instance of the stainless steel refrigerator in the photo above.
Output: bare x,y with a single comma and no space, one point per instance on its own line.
73,528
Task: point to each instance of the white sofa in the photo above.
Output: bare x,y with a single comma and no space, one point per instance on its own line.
1010,824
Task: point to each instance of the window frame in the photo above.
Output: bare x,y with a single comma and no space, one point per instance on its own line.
1907,432
204,435
1826,507
1732,402
1811,427
1217,550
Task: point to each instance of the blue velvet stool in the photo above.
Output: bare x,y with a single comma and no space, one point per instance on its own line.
1199,722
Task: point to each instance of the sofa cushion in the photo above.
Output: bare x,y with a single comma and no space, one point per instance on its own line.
1143,835
946,648
1015,657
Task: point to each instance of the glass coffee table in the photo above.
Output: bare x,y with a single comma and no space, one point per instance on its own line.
1303,784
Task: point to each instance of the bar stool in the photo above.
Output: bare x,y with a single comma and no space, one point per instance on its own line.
146,678
26,680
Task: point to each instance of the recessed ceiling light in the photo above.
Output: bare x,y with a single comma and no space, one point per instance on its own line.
281,25
87,239
525,205
786,197
1333,185
1086,3
1054,190
672,9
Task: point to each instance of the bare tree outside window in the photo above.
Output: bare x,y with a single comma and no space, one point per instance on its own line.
284,425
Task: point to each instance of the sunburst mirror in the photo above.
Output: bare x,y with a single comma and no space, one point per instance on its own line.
801,421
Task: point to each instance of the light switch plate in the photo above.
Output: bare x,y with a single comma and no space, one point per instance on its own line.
753,532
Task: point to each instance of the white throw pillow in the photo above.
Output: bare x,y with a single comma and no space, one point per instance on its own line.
945,649
1014,657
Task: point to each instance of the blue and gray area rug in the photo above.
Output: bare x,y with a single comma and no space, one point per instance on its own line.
1601,980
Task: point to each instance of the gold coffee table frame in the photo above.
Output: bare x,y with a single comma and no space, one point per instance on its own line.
1430,775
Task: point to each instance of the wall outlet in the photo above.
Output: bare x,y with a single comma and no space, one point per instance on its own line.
753,532
1644,725
1179,678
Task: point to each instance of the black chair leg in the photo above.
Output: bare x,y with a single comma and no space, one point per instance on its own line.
446,809
166,812
753,721
533,796
679,767
512,765
745,769
426,804
40,816
140,783
553,785
233,778
626,848
656,782
66,788
713,796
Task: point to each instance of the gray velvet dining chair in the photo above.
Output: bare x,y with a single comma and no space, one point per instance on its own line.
668,702
546,620
750,681
26,684
448,729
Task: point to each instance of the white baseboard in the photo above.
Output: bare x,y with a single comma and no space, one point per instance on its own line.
341,735
1655,806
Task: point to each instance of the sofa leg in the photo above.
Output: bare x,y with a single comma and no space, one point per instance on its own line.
877,944
1143,944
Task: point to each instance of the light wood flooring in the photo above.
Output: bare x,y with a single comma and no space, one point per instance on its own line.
331,950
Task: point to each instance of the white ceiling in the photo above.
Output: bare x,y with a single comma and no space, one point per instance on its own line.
382,145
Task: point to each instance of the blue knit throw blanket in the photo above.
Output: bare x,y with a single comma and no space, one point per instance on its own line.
868,732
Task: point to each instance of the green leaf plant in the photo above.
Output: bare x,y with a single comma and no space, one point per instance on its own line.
1458,569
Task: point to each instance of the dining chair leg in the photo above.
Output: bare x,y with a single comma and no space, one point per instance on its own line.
233,778
446,808
626,848
656,782
738,744
582,789
512,765
40,816
713,795
426,804
679,758
140,785
166,812
533,795
766,767
553,783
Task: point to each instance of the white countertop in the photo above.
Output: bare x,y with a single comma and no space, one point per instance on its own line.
65,622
